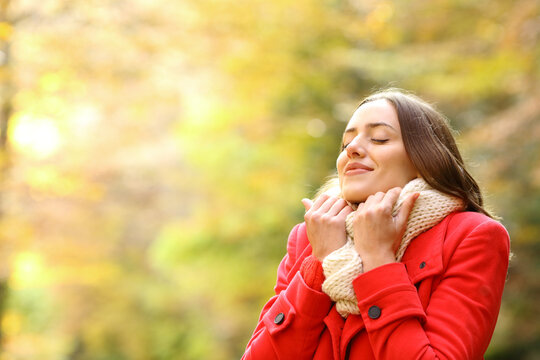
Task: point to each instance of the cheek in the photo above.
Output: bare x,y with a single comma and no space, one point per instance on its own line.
402,167
341,161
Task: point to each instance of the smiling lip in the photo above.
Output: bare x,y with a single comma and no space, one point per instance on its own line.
356,169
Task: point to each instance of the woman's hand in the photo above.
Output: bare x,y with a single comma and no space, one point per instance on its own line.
377,234
325,224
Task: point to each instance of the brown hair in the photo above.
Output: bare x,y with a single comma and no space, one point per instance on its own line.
431,147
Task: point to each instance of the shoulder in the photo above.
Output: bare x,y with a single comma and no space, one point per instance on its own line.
298,245
467,222
472,227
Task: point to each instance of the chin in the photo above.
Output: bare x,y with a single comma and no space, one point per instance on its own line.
353,196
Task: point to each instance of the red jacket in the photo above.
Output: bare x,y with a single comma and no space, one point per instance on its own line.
440,302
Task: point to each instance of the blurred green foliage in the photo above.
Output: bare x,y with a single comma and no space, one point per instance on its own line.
158,152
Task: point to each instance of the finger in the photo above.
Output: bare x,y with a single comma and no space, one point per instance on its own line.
405,210
327,205
345,211
337,207
374,199
307,204
360,208
391,197
319,201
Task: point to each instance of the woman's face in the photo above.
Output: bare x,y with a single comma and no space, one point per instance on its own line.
373,156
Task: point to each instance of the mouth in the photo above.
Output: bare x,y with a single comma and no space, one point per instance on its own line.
357,169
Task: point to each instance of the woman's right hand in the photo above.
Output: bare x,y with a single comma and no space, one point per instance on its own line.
325,224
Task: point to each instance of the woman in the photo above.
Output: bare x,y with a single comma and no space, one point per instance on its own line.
397,258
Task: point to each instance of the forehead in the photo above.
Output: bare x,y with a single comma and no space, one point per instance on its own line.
374,112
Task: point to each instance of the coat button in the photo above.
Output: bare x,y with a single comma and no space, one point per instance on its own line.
279,318
374,312
422,264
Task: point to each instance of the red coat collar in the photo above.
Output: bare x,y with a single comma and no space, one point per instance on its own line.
424,256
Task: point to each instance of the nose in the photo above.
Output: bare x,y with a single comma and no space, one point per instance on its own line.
356,148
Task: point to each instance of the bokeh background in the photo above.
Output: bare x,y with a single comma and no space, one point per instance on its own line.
154,154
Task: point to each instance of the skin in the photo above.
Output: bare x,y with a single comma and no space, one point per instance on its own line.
373,166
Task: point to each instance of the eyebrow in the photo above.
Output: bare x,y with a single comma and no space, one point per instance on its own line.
370,126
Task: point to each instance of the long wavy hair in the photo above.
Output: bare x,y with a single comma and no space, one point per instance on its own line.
430,144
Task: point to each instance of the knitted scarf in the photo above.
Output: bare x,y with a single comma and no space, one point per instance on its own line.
343,265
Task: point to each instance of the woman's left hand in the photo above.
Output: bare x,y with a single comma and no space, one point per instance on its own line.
377,234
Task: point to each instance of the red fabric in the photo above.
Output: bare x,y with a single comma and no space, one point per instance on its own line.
440,302
312,272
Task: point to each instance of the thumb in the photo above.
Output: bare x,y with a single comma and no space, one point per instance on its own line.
307,204
406,208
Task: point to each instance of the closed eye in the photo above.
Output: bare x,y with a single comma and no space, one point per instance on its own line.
379,141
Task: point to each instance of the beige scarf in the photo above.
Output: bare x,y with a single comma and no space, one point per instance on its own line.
343,265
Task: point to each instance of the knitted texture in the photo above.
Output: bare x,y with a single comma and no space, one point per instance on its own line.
343,265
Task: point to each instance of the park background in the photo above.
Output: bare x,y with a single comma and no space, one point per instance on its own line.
154,154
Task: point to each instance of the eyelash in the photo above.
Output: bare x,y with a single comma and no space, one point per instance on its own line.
376,141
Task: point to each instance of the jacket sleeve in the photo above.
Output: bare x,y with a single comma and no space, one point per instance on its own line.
291,322
460,318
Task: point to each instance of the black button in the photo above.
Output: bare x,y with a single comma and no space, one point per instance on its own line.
279,318
422,264
374,312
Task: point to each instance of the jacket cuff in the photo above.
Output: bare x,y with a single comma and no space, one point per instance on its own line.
298,302
312,273
385,295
